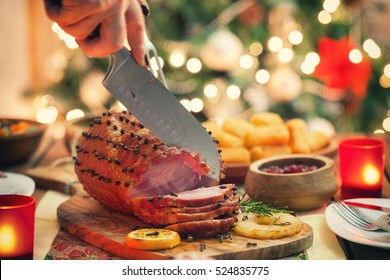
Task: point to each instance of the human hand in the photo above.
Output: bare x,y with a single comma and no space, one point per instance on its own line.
100,26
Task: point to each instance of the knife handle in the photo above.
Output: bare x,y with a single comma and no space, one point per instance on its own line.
54,3
95,33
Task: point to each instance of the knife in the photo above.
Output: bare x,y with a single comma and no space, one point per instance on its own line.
160,111
368,206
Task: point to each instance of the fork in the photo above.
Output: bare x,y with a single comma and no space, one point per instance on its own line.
152,51
352,217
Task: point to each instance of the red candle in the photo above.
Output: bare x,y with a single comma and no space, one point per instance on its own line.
362,162
17,216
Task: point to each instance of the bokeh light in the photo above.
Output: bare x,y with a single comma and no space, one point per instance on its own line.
295,37
324,17
177,58
275,44
194,65
262,76
355,56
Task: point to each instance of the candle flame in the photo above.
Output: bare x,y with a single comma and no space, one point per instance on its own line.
371,175
7,239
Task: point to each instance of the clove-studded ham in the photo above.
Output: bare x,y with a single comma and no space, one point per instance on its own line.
125,167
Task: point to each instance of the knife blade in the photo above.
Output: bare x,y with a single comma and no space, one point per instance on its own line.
160,111
367,206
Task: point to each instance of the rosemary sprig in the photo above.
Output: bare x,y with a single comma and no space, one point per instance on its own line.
256,206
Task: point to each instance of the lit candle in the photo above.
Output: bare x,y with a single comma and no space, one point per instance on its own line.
361,167
371,175
17,214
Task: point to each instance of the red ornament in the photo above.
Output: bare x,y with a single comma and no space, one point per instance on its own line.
336,69
252,16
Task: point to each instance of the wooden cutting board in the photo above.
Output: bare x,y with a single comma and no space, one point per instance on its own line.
87,219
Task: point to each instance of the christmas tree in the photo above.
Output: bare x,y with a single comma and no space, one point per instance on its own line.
312,59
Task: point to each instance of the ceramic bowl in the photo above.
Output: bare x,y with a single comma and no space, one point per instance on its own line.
296,191
18,147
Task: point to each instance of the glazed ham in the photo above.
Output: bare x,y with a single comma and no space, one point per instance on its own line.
125,167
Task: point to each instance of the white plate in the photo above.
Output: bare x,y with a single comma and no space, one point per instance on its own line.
16,184
347,231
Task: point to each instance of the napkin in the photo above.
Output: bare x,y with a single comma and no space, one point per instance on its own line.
325,245
46,224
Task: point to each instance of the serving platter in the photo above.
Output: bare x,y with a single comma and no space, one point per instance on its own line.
88,220
236,172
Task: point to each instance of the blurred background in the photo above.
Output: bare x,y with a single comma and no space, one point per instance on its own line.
325,61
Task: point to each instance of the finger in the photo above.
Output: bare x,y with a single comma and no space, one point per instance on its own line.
82,29
66,13
135,26
73,11
110,39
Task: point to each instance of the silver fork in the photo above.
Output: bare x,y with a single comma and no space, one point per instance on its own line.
352,217
151,51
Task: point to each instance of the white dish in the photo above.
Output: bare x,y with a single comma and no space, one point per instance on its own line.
15,183
347,231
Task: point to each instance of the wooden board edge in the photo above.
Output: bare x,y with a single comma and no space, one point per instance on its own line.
113,247
279,251
269,249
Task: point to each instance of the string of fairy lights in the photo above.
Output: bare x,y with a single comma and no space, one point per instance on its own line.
281,48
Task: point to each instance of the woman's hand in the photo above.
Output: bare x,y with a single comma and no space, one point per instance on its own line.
100,26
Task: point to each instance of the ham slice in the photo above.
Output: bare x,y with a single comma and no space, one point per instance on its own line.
194,205
206,208
165,217
202,196
204,228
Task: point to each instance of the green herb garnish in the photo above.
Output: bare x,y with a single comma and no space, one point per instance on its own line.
256,206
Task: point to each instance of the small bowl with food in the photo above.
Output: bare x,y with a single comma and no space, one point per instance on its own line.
299,182
19,139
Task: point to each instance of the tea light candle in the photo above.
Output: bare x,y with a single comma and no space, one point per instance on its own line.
17,214
362,163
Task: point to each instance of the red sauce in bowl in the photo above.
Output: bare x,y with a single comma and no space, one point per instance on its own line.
289,169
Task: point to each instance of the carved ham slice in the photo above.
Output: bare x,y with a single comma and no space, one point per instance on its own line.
206,208
204,228
165,217
202,196
194,205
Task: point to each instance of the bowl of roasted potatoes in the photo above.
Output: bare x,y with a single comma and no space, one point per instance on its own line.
262,135
298,181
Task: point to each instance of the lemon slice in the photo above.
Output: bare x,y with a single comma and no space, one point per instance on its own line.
152,239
